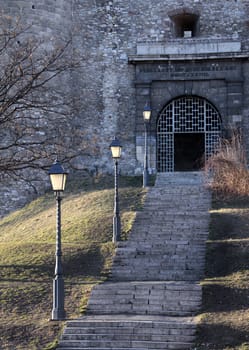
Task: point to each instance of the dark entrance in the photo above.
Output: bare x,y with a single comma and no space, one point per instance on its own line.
189,151
188,132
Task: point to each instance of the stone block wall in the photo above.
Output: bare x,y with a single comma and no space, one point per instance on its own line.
48,23
110,32
114,39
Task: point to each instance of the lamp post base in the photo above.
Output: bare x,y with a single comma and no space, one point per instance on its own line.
58,312
145,178
58,315
116,229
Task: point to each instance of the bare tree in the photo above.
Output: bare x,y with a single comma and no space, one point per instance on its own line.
35,105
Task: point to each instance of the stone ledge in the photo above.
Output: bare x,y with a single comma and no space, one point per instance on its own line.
189,49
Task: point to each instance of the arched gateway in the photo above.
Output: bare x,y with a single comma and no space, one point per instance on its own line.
188,130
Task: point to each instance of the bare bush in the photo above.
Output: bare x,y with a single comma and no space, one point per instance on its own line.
228,167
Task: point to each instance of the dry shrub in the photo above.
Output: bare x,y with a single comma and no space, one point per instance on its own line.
228,168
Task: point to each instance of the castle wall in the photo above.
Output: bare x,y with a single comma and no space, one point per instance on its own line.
50,17
50,24
112,32
125,49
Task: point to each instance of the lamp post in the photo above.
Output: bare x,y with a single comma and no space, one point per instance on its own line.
58,180
146,117
116,148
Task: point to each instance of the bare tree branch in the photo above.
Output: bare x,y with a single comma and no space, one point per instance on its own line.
34,112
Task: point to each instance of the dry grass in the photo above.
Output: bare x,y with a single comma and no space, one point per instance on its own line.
223,324
27,248
228,168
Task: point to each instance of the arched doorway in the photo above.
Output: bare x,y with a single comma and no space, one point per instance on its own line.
188,131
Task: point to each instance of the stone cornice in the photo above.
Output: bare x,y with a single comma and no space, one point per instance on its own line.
189,49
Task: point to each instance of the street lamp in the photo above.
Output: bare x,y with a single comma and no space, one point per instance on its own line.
58,180
146,117
116,148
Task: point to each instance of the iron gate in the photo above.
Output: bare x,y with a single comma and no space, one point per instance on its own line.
187,114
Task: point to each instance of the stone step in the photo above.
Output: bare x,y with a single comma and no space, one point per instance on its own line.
168,219
142,270
159,246
180,227
159,260
148,322
160,203
148,298
184,178
162,255
172,346
170,253
128,332
167,248
164,245
190,190
170,222
192,220
163,233
185,199
195,189
153,266
167,240
149,345
188,276
121,337
144,263
153,290
174,195
171,215
162,264
160,233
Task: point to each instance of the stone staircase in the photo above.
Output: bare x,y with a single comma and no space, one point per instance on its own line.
152,295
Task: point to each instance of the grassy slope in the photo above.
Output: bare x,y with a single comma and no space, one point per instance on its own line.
224,323
27,245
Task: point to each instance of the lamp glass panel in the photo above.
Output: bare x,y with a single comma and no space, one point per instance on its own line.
58,181
116,151
146,115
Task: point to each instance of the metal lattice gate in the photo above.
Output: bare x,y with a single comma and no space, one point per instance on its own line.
188,114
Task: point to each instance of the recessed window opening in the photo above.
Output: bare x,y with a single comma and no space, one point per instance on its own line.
186,25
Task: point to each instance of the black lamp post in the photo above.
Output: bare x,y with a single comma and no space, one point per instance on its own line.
146,117
116,148
58,180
